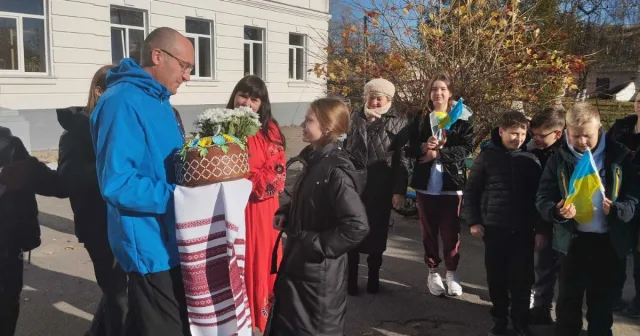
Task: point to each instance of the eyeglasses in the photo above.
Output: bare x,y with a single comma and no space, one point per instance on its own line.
541,136
185,66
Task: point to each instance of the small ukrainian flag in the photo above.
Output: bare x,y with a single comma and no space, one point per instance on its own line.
449,119
585,182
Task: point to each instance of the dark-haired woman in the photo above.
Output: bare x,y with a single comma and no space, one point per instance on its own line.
267,173
77,168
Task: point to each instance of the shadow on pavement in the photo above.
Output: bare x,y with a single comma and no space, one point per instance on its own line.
54,303
57,223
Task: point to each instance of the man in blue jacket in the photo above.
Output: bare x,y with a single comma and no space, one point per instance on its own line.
135,134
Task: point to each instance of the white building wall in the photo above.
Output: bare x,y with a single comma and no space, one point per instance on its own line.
79,43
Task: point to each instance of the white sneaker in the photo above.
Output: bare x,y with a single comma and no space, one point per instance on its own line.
453,284
434,282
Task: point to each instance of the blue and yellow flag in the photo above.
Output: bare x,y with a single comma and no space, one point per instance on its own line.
446,121
584,183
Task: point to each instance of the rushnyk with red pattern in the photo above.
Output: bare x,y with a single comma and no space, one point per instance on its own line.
211,240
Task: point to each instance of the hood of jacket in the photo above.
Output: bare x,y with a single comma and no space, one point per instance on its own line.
356,171
614,151
129,71
135,135
75,120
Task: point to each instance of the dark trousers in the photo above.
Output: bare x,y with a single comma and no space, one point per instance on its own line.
439,218
636,275
110,316
591,265
374,261
11,278
546,266
157,304
509,264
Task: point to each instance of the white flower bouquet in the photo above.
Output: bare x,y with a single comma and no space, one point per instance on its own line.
220,127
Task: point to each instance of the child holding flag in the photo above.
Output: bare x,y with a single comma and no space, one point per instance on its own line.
589,191
499,206
440,139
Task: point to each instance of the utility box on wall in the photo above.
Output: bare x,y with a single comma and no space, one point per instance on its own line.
18,125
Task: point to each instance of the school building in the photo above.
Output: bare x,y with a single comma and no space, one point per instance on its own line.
50,49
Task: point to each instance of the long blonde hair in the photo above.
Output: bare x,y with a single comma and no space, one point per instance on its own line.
99,81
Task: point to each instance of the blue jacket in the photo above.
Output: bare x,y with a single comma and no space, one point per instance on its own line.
135,132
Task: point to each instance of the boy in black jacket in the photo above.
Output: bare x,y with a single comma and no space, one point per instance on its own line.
499,206
547,128
21,177
590,250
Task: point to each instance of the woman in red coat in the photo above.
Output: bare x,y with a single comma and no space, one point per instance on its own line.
267,164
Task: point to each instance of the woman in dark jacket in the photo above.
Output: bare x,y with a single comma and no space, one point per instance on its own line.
324,220
438,178
77,167
374,139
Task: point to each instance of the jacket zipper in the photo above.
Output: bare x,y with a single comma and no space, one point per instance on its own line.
616,183
564,184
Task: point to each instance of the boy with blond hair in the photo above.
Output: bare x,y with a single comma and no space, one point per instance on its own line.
590,252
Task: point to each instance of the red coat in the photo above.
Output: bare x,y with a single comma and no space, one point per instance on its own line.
267,163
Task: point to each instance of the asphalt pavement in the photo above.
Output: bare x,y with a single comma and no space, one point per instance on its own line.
60,293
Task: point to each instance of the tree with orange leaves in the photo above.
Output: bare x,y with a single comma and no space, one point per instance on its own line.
495,54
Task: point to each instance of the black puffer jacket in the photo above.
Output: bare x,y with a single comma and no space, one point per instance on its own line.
19,226
501,189
623,131
77,168
379,146
544,154
458,148
324,221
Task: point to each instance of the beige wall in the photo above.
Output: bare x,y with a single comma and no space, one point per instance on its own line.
79,43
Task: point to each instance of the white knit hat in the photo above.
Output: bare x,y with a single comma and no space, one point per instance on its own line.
380,86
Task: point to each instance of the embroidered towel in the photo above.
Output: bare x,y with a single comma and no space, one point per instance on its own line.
211,239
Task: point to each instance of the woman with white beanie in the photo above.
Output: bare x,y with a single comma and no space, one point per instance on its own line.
375,138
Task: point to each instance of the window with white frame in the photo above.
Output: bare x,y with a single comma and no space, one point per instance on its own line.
297,56
128,30
254,51
23,36
200,33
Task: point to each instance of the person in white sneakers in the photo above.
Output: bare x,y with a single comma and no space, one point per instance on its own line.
438,178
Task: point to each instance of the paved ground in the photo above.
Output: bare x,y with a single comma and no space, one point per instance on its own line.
61,294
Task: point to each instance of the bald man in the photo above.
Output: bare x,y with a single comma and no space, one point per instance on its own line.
135,133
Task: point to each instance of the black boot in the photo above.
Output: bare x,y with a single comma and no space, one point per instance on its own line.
352,274
540,316
522,329
499,327
373,284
